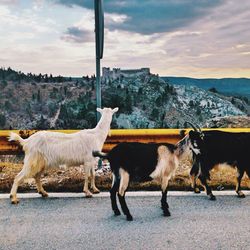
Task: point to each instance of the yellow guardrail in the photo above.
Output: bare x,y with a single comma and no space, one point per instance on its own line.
115,136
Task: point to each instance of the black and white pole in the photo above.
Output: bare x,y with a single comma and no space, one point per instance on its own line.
99,41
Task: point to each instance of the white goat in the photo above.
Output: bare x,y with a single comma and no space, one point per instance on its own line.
47,149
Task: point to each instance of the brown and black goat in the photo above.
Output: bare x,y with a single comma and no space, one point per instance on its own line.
142,162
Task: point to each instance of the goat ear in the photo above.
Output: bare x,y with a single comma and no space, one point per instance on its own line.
191,133
99,110
115,110
182,133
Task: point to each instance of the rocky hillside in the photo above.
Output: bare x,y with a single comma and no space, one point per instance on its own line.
43,102
228,122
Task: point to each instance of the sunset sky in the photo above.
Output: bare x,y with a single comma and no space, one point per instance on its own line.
193,38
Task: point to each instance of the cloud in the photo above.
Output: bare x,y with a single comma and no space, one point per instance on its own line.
8,2
81,31
148,16
89,4
215,45
172,37
78,35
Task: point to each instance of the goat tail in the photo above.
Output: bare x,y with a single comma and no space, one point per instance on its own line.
100,154
16,137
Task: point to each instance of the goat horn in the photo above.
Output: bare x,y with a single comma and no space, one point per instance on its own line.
193,126
199,128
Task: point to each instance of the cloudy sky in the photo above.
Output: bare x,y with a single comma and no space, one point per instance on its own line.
195,38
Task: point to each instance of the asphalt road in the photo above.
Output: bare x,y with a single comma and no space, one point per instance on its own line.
80,223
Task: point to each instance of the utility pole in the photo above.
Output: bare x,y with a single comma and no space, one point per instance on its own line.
99,41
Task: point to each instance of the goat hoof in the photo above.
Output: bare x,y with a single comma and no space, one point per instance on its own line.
241,195
96,191
15,202
44,194
212,197
117,212
129,218
197,190
88,195
166,213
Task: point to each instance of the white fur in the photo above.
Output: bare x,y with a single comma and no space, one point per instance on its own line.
47,149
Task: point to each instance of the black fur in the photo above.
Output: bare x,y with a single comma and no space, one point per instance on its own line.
139,160
218,147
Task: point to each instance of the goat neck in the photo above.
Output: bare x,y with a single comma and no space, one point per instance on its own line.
182,147
103,126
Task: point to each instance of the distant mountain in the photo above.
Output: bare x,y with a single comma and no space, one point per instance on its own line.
229,86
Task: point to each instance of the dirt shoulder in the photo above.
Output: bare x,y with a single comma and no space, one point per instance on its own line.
72,179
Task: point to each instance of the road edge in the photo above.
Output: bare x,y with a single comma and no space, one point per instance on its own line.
128,194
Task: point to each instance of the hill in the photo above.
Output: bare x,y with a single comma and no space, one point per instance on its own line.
44,102
228,86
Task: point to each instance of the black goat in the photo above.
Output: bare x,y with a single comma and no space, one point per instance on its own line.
142,162
211,148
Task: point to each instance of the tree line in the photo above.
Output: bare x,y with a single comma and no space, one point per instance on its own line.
18,76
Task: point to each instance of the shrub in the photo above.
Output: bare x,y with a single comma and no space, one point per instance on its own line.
2,120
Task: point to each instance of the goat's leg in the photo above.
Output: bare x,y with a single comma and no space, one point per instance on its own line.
93,186
164,203
238,187
124,207
113,191
121,195
17,181
88,194
39,186
207,188
194,172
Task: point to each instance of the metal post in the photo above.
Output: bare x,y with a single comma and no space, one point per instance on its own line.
98,87
99,41
99,35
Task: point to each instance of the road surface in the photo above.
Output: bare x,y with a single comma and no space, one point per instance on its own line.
75,222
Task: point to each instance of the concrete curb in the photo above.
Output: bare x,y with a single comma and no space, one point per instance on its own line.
128,194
